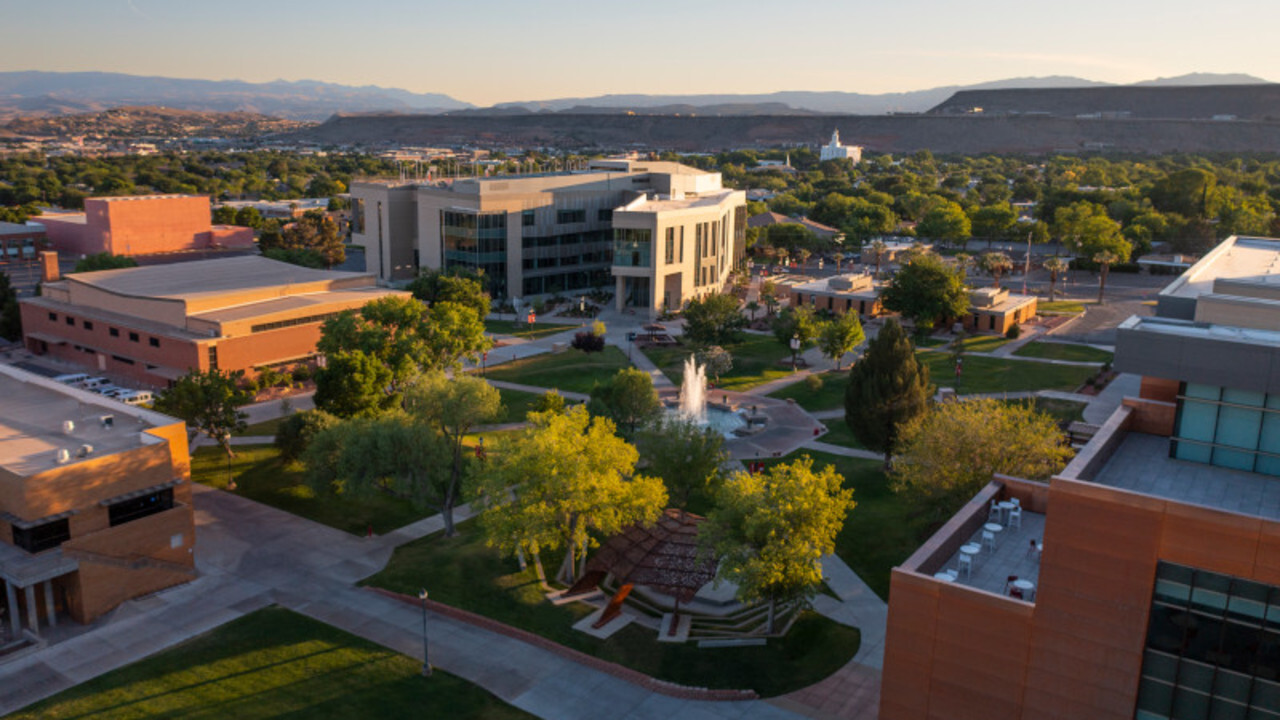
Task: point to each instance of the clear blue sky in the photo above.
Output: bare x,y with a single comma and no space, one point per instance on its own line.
487,51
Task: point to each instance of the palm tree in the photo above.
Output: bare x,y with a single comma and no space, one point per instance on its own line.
1056,266
752,307
878,248
964,261
996,263
839,258
803,254
782,255
1104,259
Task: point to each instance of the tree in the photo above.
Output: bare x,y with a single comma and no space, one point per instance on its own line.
452,407
752,307
996,263
713,319
927,292
1086,230
993,222
716,360
945,222
550,401
839,258
769,295
208,402
1104,259
354,384
1056,266
887,388
878,248
947,455
318,232
103,261
295,433
224,215
796,323
10,310
433,286
840,336
628,399
561,480
771,529
790,237
686,456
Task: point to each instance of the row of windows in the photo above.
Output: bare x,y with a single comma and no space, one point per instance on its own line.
138,508
631,247
42,537
1232,428
566,282
112,331
50,535
568,217
263,327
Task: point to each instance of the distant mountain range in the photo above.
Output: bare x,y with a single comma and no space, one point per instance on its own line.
49,93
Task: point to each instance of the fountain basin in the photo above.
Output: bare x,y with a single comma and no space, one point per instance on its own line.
722,421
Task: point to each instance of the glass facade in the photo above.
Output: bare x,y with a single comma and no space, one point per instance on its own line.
632,247
477,241
567,262
1213,648
1237,429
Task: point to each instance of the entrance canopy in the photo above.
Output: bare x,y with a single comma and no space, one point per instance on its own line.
664,556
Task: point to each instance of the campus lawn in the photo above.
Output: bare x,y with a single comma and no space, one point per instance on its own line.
994,375
524,330
828,397
756,360
463,572
1064,351
568,371
516,404
1062,307
266,427
261,476
270,664
983,343
883,529
840,434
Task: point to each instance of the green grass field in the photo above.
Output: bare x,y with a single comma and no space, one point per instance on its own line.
463,572
274,664
983,343
994,375
828,397
266,427
840,434
568,371
524,330
755,362
1062,307
261,476
1064,351
516,404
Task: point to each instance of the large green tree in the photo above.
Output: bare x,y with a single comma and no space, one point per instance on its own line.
947,455
434,286
209,402
315,232
945,222
841,336
927,291
687,457
796,323
628,398
887,387
562,483
713,319
771,529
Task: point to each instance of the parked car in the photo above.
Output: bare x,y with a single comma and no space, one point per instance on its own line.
71,378
135,397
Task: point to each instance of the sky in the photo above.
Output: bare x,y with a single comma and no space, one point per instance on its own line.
489,51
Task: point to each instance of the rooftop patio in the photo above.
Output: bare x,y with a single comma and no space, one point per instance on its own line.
1011,556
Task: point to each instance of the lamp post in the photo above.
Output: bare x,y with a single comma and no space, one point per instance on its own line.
795,348
426,662
231,481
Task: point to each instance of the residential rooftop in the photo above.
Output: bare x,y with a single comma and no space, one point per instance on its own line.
1142,464
35,410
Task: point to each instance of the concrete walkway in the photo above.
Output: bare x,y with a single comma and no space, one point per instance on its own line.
574,396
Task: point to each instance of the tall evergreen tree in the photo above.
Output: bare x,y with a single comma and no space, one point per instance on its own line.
888,387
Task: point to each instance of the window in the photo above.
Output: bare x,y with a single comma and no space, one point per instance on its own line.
138,508
631,247
263,327
87,324
70,320
213,357
565,217
604,215
133,337
121,359
113,332
42,537
154,342
53,317
670,254
527,218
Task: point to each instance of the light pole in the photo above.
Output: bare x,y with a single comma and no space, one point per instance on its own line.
231,481
795,348
426,662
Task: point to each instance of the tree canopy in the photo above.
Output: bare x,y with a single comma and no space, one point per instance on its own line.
628,398
713,319
927,291
841,336
103,261
209,402
887,388
687,457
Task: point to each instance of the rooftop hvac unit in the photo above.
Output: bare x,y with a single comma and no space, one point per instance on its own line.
62,456
108,421
85,451
68,427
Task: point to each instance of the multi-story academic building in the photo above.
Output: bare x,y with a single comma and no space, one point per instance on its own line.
154,324
659,232
95,504
1144,580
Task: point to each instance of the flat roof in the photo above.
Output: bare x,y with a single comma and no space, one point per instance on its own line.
32,417
665,203
1242,258
1142,464
824,285
202,278
291,302
1205,331
8,228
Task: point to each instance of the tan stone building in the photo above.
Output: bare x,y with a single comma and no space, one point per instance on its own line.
995,310
153,324
95,503
563,232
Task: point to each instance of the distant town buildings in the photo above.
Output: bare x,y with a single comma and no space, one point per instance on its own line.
1143,581
154,324
142,225
835,151
95,508
659,233
822,232
280,209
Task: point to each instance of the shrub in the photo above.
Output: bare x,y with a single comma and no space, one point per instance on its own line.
588,341
598,329
813,382
302,373
295,433
1013,332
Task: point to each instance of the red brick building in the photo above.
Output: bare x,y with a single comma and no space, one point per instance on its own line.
142,225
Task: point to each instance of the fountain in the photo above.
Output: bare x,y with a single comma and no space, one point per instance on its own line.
692,404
